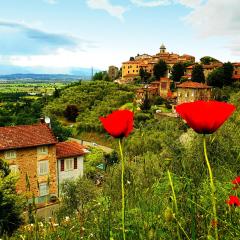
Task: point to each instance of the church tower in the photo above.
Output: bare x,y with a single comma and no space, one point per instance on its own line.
162,49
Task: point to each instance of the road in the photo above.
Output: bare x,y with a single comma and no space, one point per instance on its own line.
91,144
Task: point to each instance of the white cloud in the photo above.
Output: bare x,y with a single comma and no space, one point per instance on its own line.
35,41
190,3
113,10
156,3
216,18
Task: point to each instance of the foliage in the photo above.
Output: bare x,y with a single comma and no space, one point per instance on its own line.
221,76
160,69
228,72
11,204
71,112
62,133
144,75
146,103
215,78
76,195
93,99
103,75
177,72
197,74
207,60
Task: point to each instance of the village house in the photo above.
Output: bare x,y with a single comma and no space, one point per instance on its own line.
157,88
35,156
192,91
130,69
112,72
208,68
236,71
70,156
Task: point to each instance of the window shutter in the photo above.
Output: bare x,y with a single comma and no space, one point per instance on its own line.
75,163
62,165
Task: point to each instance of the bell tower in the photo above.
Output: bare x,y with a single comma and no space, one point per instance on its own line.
162,49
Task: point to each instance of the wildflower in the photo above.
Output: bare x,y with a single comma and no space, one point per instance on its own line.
233,200
205,116
40,224
236,181
67,218
119,123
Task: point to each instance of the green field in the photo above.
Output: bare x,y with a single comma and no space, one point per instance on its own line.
31,88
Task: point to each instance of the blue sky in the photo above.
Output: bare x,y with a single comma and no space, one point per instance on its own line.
56,36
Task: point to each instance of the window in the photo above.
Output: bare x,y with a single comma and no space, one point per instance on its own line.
128,71
42,150
75,163
43,189
43,168
68,164
10,154
133,70
14,169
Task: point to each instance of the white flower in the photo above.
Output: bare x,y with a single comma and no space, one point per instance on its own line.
67,218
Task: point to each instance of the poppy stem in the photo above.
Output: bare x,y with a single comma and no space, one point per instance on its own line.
215,223
174,201
123,192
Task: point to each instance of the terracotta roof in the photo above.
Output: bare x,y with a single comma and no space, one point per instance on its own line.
69,149
26,136
236,76
236,64
131,75
190,84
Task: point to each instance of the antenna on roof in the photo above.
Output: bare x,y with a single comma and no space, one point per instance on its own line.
47,120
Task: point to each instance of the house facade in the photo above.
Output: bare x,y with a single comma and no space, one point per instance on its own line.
31,152
192,91
70,157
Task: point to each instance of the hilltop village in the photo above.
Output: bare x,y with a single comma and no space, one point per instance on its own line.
175,77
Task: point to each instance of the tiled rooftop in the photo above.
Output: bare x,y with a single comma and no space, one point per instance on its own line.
69,149
26,136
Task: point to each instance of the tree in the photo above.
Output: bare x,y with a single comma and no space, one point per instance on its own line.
11,204
207,60
197,74
131,59
228,72
144,75
146,105
216,78
75,195
98,76
160,69
71,112
177,72
62,133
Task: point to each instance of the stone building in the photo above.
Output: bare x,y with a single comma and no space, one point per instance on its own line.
236,71
30,151
112,72
192,91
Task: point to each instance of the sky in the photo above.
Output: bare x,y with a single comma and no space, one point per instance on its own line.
62,36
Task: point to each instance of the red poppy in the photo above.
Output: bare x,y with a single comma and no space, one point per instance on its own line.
236,180
233,200
119,123
205,116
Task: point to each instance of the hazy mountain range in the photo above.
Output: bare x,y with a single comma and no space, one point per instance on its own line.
24,73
